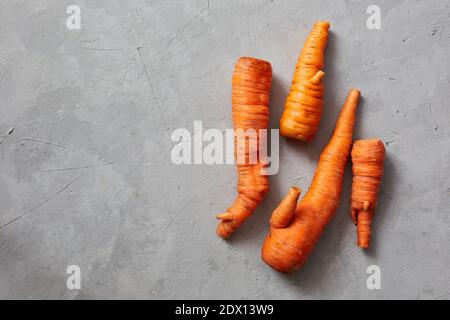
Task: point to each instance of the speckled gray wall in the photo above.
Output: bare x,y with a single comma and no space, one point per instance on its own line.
86,177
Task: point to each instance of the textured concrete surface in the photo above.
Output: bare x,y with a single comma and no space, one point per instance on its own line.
86,176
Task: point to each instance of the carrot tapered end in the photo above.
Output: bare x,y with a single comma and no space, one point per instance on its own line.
364,230
323,24
225,229
226,226
354,94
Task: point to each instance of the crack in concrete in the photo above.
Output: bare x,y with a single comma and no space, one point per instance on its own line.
40,204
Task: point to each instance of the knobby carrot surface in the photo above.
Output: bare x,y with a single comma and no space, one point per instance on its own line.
252,80
295,229
368,167
304,104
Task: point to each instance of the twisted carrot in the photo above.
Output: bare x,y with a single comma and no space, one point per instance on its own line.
368,167
252,80
303,108
295,230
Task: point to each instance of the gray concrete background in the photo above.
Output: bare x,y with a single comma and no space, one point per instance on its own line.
87,175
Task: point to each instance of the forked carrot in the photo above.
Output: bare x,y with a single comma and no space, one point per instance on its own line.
252,80
304,104
295,230
368,167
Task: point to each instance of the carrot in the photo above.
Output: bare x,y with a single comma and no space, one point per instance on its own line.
368,167
303,107
290,242
252,80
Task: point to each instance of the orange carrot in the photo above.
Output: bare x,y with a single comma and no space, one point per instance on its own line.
368,167
291,241
303,108
252,80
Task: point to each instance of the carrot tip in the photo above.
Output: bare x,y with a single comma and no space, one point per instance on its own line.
224,230
296,190
324,24
355,91
363,245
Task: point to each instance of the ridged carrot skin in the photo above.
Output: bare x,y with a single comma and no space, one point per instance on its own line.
288,246
304,104
368,168
252,79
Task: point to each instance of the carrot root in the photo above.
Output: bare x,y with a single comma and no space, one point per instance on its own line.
252,80
303,107
368,168
287,249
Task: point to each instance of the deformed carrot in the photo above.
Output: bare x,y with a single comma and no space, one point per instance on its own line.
304,104
368,167
252,80
295,229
